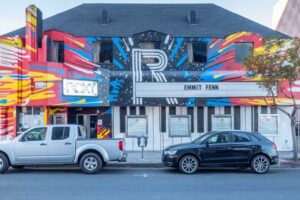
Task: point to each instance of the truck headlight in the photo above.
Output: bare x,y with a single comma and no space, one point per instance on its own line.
170,152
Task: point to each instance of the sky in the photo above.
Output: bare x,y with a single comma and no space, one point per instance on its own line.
12,14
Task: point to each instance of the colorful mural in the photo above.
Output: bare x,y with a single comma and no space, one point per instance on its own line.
28,77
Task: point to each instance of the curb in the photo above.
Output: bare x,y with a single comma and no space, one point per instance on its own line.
283,165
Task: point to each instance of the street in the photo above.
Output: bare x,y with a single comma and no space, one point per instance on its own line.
138,183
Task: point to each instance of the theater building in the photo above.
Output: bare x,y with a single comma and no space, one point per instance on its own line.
170,72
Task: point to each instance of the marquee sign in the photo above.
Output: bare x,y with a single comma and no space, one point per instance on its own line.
80,88
196,89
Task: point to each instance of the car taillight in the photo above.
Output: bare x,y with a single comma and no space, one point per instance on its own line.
274,146
121,145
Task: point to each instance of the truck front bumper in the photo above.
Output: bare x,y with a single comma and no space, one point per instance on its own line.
123,157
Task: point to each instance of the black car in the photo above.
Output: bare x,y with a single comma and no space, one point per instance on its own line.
223,149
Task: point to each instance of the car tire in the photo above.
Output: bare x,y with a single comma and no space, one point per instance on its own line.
90,163
4,163
260,164
188,164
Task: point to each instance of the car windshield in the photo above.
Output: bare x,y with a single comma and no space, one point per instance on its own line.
203,137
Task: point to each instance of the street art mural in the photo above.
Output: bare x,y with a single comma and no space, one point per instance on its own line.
28,77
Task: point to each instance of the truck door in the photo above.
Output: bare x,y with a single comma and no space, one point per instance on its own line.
61,144
32,147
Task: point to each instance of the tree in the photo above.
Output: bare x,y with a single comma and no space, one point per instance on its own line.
276,65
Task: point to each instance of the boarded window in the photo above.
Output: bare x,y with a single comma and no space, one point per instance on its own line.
242,51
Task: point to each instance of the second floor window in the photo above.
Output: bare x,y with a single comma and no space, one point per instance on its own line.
242,51
103,52
197,52
58,52
150,45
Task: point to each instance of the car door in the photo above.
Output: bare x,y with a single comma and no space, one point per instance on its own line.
31,148
217,149
241,146
61,146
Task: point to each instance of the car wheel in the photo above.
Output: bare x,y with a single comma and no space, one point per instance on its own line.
4,164
188,164
260,164
90,163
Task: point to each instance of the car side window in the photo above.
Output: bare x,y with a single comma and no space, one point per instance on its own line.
219,138
60,133
240,137
36,134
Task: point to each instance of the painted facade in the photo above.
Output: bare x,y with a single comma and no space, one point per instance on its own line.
28,79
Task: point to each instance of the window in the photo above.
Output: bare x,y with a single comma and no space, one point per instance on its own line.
79,132
200,119
58,52
150,45
172,110
190,111
254,138
132,110
37,134
142,110
103,52
219,138
197,52
237,117
163,123
242,51
240,137
60,133
123,113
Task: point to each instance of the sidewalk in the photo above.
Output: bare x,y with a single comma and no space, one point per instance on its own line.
153,159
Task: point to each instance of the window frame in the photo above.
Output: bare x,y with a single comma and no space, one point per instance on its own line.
218,133
63,138
27,132
242,133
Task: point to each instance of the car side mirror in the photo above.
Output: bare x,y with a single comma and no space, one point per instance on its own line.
207,144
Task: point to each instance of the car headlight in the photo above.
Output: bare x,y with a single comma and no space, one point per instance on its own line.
170,152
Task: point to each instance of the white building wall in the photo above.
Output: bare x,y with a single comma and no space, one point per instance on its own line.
157,140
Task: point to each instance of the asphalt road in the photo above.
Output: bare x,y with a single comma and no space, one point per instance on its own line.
162,184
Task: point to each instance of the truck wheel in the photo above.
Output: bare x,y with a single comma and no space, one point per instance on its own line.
90,163
4,164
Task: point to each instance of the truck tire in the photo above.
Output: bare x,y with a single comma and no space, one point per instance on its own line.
90,163
4,163
18,166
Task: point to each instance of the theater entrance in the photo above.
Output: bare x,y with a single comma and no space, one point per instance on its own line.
89,121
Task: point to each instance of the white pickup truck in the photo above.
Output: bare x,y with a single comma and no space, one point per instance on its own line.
60,145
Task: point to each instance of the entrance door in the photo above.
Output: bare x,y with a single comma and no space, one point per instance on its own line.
89,121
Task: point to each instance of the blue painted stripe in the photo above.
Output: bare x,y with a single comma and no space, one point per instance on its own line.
118,64
116,42
182,60
58,71
179,41
79,52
